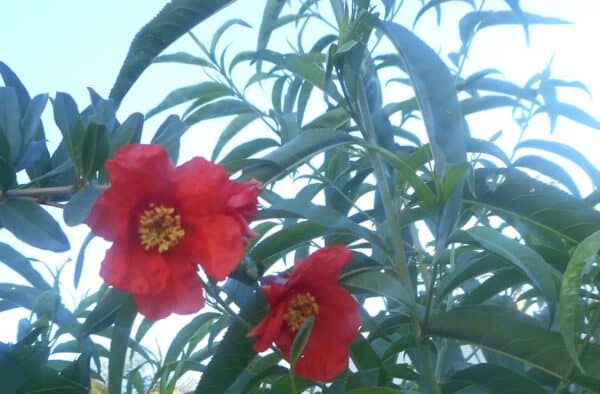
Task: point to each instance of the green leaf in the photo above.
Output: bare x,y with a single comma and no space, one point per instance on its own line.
376,390
496,377
497,86
363,355
183,338
235,351
31,121
21,265
541,275
515,335
11,80
518,198
267,25
550,169
104,314
95,149
475,21
436,95
469,265
173,21
501,280
454,178
568,153
119,344
169,134
322,215
436,3
239,156
233,128
129,132
305,66
221,30
8,176
437,98
203,92
66,117
183,58
570,292
271,248
80,205
381,283
483,103
32,224
571,112
217,109
81,258
300,341
282,160
423,192
489,148
10,118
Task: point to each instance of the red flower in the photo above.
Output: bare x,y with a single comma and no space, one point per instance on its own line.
312,289
163,221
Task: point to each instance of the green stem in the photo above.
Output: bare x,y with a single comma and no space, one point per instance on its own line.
400,264
565,380
293,382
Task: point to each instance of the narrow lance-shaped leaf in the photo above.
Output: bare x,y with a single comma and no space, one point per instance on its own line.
235,351
301,148
550,169
119,344
300,341
570,292
568,153
173,21
32,224
518,336
268,22
542,275
474,21
202,92
21,265
183,58
444,121
12,80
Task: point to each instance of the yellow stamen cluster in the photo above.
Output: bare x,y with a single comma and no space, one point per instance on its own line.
159,227
299,309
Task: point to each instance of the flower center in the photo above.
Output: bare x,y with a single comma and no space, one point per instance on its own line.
159,227
299,309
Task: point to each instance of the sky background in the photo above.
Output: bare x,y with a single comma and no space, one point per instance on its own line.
68,45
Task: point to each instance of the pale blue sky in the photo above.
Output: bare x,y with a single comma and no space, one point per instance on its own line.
67,45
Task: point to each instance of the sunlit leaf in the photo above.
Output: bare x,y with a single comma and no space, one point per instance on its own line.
570,292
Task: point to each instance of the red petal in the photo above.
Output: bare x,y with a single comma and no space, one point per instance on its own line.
137,172
109,217
216,243
274,293
199,187
183,295
324,265
140,165
244,199
130,268
267,331
335,328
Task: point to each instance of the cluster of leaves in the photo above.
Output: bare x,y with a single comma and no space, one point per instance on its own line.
503,293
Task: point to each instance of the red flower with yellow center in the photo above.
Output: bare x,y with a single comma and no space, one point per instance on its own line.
164,221
312,290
